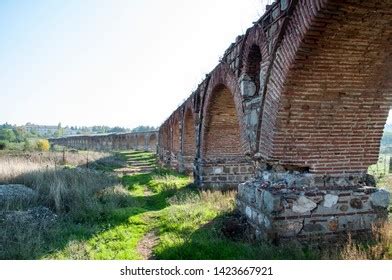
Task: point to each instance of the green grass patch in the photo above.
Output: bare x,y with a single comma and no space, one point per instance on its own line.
188,222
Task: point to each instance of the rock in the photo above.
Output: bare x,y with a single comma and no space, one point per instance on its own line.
15,195
303,205
369,180
313,227
303,181
333,224
271,202
247,86
279,168
248,193
356,203
253,118
217,170
330,200
341,182
267,222
343,208
260,219
288,228
248,212
380,198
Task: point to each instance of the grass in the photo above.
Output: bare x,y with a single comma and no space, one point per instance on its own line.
106,216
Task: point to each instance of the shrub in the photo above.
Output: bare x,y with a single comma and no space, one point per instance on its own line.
3,145
43,145
27,145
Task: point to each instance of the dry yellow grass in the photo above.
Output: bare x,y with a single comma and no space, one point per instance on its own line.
380,248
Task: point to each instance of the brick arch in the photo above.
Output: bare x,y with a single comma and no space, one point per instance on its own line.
223,76
331,92
133,142
176,135
163,143
152,141
253,52
189,138
252,66
164,136
223,146
141,141
221,127
128,141
254,36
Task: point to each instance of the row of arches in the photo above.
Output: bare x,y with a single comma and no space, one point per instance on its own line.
296,99
210,139
210,135
138,141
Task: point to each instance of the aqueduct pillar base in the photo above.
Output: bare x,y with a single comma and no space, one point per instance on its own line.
303,206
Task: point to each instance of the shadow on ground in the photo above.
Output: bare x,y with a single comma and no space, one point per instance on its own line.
82,213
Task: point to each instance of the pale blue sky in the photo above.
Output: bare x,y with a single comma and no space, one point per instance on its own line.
110,62
113,62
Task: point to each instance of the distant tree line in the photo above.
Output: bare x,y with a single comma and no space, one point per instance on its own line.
30,133
143,128
19,138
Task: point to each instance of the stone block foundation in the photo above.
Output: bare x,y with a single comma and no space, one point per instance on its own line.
218,175
276,211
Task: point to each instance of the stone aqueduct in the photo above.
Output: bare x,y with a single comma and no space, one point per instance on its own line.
293,115
146,141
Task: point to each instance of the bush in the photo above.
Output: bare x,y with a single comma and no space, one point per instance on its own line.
3,145
27,145
43,145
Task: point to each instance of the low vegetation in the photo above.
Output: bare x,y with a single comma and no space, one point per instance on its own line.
104,214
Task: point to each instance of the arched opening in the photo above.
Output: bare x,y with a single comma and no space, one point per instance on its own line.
252,68
176,138
133,142
141,142
164,143
222,131
152,142
129,141
116,142
223,162
189,144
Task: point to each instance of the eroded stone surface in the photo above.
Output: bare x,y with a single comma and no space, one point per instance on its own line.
330,200
380,198
271,202
303,205
274,209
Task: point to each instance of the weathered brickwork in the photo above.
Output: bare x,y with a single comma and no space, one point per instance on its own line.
305,91
144,141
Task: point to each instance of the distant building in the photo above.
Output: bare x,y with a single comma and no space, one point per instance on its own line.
44,130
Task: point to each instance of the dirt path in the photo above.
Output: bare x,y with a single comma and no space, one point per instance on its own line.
146,245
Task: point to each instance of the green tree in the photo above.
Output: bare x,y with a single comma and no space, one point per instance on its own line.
7,134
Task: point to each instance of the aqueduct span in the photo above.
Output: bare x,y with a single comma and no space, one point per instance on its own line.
145,141
293,115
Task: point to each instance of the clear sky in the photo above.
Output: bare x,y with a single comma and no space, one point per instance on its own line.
110,62
120,62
